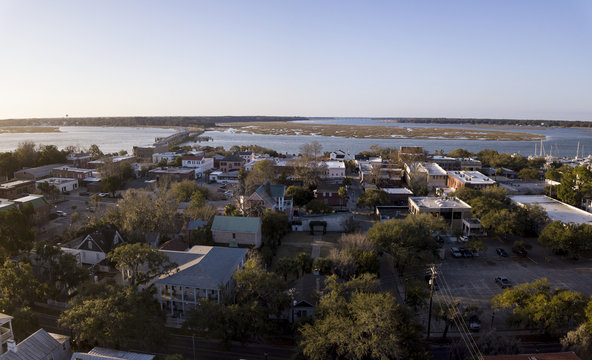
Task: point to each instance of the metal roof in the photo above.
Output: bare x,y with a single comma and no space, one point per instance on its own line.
237,224
99,353
36,347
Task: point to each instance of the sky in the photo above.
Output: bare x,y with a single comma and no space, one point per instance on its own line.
488,59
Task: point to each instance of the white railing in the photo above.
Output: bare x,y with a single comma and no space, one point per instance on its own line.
5,334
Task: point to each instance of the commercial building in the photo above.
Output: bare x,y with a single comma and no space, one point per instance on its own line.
456,164
69,172
231,163
398,196
171,173
61,184
430,175
36,173
16,188
335,169
452,210
556,210
79,160
469,179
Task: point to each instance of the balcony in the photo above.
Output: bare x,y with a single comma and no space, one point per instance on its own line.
5,335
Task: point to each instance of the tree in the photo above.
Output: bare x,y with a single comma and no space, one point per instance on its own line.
183,190
197,199
274,225
372,198
285,266
554,311
18,284
532,218
145,212
502,222
111,184
263,171
231,210
60,271
303,263
318,207
139,262
114,316
460,153
15,233
529,174
361,325
571,238
579,341
95,152
576,184
342,193
300,195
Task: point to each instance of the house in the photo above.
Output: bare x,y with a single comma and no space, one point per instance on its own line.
469,179
61,184
398,196
202,271
199,163
329,194
171,173
268,196
40,345
232,163
99,353
79,160
306,294
452,210
6,333
146,152
93,248
340,155
430,175
335,169
194,225
538,356
224,178
236,230
36,173
16,188
246,155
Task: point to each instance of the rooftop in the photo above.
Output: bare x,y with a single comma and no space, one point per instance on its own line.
71,168
236,224
40,170
397,191
36,200
171,170
428,202
37,346
203,266
473,177
99,353
11,184
55,180
556,210
434,169
335,164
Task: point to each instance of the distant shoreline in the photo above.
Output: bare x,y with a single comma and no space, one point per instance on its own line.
28,129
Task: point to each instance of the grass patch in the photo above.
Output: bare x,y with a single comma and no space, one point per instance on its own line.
292,250
28,129
379,132
303,237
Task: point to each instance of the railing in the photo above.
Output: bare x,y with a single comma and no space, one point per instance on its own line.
5,334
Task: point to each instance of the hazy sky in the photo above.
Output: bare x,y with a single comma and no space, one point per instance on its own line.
511,59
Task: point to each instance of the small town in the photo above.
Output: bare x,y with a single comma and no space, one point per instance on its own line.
198,252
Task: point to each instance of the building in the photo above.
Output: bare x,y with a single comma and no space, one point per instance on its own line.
199,163
93,248
6,333
171,173
232,163
556,210
470,179
145,152
411,153
472,227
99,353
236,230
224,178
79,160
390,176
36,173
118,160
268,196
389,212
61,184
16,188
41,207
307,292
246,156
200,274
167,156
335,169
340,155
538,356
430,175
40,345
69,172
451,209
329,194
398,196
456,164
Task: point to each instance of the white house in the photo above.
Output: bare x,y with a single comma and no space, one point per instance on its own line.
62,184
335,169
94,247
340,155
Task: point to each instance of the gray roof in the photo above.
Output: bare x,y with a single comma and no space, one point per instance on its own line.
196,224
204,267
40,171
36,347
236,224
99,353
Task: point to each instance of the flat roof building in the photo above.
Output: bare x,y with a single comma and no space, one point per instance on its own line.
16,188
35,173
452,210
469,179
556,210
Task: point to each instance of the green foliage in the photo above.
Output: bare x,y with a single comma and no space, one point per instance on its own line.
460,153
111,184
532,218
60,271
361,324
554,311
15,233
183,190
502,222
571,238
274,225
318,207
197,199
553,174
579,341
372,198
139,262
115,316
416,293
95,152
285,266
576,184
142,211
300,195
231,210
491,158
303,263
18,285
529,174
324,265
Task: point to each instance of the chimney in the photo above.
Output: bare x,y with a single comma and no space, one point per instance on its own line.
11,345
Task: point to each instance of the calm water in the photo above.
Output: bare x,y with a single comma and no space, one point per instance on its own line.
562,141
109,139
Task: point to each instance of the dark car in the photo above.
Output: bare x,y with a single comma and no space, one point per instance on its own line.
501,252
474,323
455,252
466,252
520,252
503,282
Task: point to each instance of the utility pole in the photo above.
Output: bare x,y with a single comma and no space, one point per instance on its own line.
433,270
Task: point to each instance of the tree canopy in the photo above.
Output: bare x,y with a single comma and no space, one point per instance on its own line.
139,262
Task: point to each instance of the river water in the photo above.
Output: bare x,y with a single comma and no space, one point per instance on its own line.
561,141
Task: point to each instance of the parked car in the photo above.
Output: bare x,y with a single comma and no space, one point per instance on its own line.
466,252
501,252
103,194
61,213
463,238
520,251
474,323
455,252
503,282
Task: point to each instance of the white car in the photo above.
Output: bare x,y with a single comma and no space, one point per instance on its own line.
61,213
103,194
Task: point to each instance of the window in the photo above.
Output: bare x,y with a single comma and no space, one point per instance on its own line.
234,235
